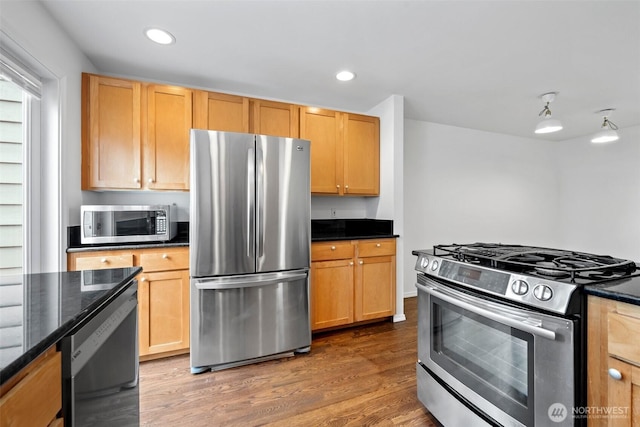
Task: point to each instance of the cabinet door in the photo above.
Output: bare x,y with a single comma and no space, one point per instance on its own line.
361,155
163,311
331,293
219,111
624,394
375,287
111,133
274,118
169,121
323,129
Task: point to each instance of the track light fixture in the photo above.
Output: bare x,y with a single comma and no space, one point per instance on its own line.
608,129
548,124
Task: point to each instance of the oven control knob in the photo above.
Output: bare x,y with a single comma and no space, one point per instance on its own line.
424,263
434,265
542,292
520,287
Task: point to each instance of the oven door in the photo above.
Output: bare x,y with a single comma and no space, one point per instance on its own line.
513,365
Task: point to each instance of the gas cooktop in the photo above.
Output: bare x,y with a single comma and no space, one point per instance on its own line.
553,264
537,277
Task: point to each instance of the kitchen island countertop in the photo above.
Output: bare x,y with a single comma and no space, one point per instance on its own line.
38,310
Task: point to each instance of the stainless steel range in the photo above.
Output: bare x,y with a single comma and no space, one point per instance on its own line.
502,334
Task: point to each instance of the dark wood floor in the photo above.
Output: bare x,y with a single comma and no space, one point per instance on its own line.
362,376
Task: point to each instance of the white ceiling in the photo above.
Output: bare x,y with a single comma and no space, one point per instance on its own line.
476,64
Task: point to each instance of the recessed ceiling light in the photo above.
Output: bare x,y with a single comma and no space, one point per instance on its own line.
345,76
159,36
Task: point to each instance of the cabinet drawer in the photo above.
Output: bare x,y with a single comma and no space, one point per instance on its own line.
104,261
37,398
624,336
164,260
331,250
376,247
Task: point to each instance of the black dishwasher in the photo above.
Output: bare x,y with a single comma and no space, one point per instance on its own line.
100,375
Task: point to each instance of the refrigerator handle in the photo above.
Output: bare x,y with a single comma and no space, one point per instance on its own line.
249,281
260,225
250,201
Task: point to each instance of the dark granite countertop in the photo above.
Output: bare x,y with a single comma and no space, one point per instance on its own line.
321,230
73,236
38,310
351,229
120,246
625,290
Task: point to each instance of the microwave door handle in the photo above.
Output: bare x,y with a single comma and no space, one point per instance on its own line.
522,325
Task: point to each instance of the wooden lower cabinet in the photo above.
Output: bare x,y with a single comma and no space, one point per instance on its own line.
164,312
34,396
163,294
375,287
613,374
331,293
352,281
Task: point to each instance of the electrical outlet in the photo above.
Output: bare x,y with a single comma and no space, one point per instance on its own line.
333,212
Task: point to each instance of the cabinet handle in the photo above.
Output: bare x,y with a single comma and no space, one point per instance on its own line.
361,262
333,248
378,245
338,188
137,180
351,263
143,279
346,188
615,374
103,260
165,256
150,180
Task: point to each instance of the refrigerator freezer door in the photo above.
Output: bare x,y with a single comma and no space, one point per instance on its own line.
283,207
236,319
222,193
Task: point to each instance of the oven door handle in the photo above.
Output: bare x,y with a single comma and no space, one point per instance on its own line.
498,317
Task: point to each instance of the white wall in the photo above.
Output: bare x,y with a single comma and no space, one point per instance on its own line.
600,195
465,186
28,25
390,204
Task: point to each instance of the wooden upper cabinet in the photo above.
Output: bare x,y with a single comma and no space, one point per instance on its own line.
219,111
166,148
135,135
274,118
345,151
111,133
323,128
361,154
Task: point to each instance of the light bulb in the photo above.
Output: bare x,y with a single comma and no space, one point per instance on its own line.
345,76
159,36
548,126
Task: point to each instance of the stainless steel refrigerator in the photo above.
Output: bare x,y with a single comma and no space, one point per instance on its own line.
249,240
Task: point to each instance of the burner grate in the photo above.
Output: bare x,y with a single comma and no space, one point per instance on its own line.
549,263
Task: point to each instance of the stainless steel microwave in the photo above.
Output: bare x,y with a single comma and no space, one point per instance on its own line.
127,223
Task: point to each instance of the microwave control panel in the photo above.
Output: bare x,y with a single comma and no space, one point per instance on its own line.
161,222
